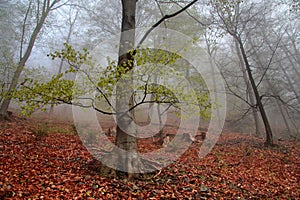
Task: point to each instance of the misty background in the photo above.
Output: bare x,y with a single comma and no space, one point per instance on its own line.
267,30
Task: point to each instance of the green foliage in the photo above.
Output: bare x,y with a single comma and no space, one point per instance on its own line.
73,57
36,94
7,68
157,73
58,129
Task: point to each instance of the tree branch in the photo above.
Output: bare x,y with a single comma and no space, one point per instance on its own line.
163,19
270,61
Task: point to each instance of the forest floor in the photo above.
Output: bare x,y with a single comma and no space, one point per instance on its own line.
41,160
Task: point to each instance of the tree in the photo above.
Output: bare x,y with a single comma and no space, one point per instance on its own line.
42,10
126,132
7,44
37,94
71,22
234,23
125,122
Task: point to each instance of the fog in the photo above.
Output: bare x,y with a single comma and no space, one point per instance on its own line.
261,34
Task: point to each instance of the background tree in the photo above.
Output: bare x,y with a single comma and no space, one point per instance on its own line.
72,18
36,13
235,24
8,43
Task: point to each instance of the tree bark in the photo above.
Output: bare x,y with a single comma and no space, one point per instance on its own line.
23,59
274,92
232,29
126,140
249,91
269,134
126,130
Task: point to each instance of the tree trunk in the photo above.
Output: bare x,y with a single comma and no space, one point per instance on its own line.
22,62
288,55
210,52
290,82
279,106
128,161
61,64
284,117
13,85
162,134
249,91
126,130
269,134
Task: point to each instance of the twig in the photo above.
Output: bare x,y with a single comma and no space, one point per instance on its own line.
156,175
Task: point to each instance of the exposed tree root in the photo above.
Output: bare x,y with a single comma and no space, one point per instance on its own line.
138,165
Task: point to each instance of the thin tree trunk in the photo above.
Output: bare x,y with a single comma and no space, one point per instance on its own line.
284,118
210,53
288,55
296,50
6,101
162,134
269,134
72,23
249,91
22,62
292,121
291,85
279,106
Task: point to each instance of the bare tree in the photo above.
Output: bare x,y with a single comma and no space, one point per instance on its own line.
235,22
